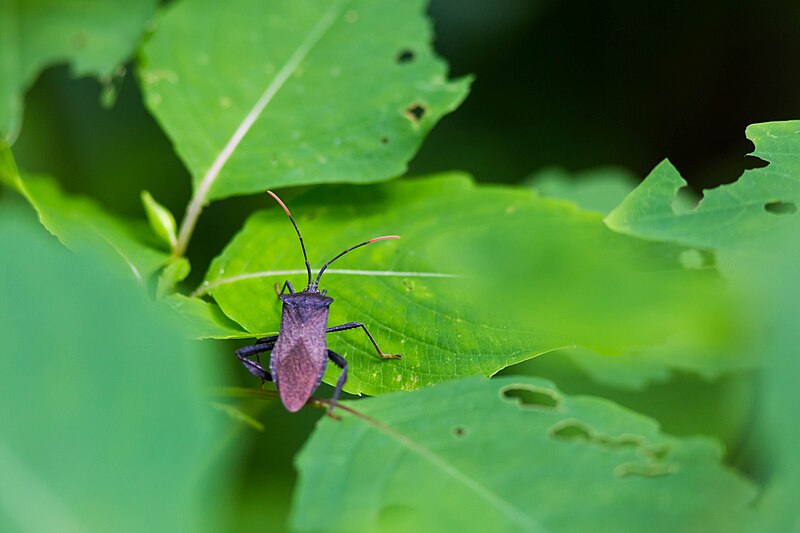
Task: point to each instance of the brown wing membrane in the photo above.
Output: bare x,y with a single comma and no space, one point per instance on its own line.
298,372
300,354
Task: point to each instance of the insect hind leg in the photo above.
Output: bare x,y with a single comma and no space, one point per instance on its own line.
254,367
341,362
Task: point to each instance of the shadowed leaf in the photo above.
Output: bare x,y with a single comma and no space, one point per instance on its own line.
94,37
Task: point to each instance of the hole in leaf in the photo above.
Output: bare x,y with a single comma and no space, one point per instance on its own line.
780,208
685,200
570,430
649,469
751,162
530,397
656,452
405,56
459,431
691,259
573,430
623,441
415,112
654,455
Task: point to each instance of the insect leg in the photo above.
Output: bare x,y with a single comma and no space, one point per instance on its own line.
286,284
265,340
339,361
352,325
253,367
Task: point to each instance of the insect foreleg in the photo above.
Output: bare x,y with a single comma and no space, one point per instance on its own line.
341,362
352,325
252,366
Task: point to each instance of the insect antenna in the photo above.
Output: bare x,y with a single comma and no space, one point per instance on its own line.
321,270
303,246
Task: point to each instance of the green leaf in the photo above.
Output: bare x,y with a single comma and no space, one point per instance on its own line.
752,225
205,320
483,277
778,299
161,220
80,224
740,214
175,272
294,92
202,319
94,37
104,422
510,454
9,176
600,189
639,367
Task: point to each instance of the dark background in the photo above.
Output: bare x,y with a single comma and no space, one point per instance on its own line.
581,83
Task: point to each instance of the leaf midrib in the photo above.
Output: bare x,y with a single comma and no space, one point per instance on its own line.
516,515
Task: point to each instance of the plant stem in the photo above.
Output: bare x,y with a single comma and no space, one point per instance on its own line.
189,222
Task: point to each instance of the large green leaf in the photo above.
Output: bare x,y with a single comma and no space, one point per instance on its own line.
81,224
510,454
205,320
753,226
779,297
104,423
743,214
291,92
639,367
94,37
483,277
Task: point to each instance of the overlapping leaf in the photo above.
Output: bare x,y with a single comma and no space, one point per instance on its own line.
81,224
753,226
511,454
204,320
290,92
484,277
600,189
744,214
104,425
94,37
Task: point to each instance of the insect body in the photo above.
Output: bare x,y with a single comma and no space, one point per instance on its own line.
299,351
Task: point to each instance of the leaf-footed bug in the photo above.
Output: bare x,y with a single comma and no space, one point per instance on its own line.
299,351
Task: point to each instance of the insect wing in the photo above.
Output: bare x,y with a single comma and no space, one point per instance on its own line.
298,368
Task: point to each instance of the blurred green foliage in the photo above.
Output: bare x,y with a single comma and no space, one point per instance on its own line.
512,454
681,312
105,425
